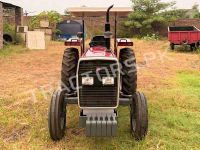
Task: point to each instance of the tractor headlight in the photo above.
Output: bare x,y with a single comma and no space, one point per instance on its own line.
108,80
87,80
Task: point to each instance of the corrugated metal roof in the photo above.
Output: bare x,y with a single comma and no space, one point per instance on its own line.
98,11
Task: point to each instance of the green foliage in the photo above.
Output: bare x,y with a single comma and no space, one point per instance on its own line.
195,9
152,37
35,22
10,50
147,14
197,15
7,28
123,31
52,16
172,15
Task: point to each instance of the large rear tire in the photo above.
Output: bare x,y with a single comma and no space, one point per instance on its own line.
57,116
69,68
128,71
139,116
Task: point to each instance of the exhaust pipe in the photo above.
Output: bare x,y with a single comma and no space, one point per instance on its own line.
107,28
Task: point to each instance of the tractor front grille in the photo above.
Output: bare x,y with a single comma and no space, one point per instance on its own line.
98,95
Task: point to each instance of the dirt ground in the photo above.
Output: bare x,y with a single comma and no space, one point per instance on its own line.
28,79
38,68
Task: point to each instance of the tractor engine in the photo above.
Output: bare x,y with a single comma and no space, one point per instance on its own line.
98,82
98,94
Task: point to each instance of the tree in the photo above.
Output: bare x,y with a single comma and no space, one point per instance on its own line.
196,13
172,15
148,13
52,16
195,8
197,16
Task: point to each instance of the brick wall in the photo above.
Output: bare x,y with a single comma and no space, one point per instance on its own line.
1,26
18,16
8,15
12,14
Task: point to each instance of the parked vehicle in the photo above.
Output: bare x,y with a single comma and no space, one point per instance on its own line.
184,35
99,82
68,29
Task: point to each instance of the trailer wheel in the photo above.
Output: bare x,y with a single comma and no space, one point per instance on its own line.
57,116
69,67
128,71
197,45
172,46
139,116
192,47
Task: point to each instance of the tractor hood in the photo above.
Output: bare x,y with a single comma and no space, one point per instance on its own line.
98,51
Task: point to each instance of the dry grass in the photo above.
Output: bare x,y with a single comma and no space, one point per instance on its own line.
170,81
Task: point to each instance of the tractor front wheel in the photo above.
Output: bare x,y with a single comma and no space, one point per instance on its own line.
57,116
139,116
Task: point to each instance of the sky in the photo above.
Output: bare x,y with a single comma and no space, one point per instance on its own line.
38,6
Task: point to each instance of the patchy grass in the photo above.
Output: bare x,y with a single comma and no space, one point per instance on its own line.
173,113
172,90
12,50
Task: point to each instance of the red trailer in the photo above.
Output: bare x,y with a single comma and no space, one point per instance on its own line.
184,35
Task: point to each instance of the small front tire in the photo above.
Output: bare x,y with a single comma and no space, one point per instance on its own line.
57,116
139,116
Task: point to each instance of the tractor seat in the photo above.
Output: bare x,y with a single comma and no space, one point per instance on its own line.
98,41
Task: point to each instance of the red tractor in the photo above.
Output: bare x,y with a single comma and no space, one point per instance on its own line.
99,82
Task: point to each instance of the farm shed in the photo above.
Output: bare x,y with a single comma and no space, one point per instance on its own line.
10,14
95,17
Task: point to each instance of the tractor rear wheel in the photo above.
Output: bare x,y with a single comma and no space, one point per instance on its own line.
139,116
68,72
128,71
57,116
